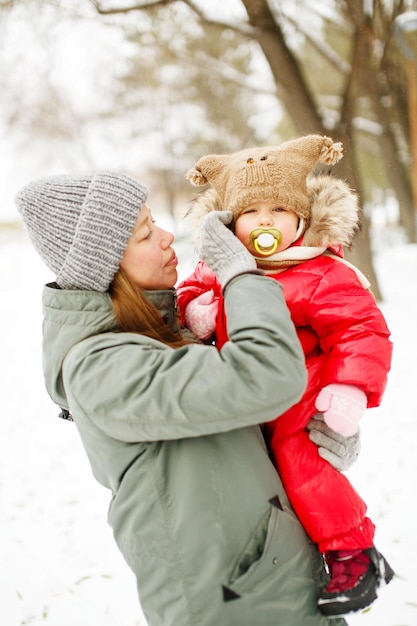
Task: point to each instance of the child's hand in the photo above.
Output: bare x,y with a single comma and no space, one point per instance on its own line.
342,407
201,315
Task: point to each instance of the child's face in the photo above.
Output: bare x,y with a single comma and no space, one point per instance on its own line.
265,214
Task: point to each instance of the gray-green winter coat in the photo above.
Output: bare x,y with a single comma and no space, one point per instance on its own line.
197,508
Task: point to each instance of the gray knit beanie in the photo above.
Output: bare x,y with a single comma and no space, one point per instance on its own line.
80,225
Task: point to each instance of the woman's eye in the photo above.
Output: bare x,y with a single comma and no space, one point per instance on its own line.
150,230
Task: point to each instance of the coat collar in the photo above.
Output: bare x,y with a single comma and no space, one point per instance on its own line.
165,300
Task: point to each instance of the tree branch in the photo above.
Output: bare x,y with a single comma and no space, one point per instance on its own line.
225,71
133,7
325,50
244,30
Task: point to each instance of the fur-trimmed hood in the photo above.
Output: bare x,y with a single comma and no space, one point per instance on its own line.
332,223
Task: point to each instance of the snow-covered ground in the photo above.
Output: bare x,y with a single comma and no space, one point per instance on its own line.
58,561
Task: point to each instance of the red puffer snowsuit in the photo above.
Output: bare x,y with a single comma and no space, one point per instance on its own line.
345,340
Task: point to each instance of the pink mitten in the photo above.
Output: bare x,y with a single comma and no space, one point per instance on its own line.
201,314
342,407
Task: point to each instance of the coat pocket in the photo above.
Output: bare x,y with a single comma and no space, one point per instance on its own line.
256,560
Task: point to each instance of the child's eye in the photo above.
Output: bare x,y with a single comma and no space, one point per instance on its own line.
279,209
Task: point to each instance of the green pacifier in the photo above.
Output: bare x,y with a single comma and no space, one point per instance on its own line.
265,240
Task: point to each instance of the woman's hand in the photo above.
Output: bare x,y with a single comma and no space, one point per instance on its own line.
339,451
225,255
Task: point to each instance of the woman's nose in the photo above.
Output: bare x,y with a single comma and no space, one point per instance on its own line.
167,238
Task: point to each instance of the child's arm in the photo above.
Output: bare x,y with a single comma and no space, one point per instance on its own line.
354,337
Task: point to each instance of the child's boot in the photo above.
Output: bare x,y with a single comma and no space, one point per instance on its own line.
355,578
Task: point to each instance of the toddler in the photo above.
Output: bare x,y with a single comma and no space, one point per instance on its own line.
295,225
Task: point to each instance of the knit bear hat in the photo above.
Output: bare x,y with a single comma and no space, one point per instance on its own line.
80,225
276,174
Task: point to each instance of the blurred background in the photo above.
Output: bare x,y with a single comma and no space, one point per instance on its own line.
149,87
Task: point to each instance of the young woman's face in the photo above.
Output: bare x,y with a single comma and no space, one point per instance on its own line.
149,261
266,215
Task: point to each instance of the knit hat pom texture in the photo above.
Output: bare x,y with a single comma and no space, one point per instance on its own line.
276,174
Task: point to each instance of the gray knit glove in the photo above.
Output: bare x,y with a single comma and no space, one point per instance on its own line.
221,250
339,451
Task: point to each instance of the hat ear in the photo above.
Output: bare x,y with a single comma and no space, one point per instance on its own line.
208,169
331,152
196,177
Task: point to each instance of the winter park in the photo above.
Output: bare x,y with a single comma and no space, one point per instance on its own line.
165,83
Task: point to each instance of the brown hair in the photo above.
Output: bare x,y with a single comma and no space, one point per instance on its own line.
136,314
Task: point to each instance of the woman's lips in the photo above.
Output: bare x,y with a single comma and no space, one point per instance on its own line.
173,262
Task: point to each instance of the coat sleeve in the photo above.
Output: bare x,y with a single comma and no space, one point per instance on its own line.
137,389
352,332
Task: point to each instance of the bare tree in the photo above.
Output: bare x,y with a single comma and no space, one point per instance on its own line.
344,77
362,70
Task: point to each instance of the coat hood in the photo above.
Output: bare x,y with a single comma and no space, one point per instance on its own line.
333,219
70,316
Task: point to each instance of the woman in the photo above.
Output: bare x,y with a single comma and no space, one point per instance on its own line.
170,425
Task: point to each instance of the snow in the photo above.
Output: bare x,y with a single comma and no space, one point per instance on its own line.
58,561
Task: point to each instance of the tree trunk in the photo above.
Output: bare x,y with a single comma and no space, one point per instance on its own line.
300,105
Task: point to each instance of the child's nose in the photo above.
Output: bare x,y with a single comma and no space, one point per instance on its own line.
265,220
